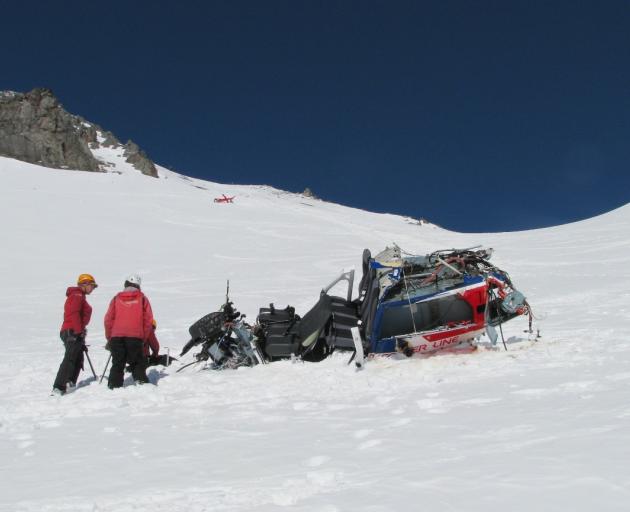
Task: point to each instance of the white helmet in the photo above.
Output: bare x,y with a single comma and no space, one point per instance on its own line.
134,279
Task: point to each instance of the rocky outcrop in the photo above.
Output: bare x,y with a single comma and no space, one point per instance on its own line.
35,128
139,159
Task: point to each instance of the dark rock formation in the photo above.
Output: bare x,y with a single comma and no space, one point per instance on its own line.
35,128
139,159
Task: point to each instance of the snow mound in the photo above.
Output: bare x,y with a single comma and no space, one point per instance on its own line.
543,426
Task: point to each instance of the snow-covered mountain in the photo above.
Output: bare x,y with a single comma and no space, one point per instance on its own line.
544,426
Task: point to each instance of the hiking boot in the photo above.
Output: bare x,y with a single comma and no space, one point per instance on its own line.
57,392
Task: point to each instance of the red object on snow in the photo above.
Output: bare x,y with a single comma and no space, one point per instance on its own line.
153,344
76,311
129,316
224,199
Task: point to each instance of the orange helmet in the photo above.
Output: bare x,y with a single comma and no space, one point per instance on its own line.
86,279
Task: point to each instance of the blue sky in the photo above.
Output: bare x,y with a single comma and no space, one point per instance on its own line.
479,116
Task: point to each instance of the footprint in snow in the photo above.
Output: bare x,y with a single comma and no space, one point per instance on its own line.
619,376
283,499
360,434
318,460
400,422
303,406
369,444
321,478
578,386
432,405
49,424
531,392
480,401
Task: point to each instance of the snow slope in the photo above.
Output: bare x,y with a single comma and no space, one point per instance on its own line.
544,426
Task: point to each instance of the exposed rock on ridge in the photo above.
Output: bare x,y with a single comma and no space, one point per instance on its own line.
35,128
139,159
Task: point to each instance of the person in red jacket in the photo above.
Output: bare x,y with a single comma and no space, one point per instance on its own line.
152,344
127,328
150,348
76,316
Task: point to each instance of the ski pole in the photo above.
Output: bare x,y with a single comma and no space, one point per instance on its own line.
106,365
186,366
90,361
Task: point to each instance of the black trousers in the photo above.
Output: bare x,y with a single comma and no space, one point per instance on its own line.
127,351
72,363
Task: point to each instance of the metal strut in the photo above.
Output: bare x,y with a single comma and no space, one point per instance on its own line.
413,320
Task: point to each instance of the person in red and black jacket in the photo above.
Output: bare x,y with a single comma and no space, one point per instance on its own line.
152,344
127,328
76,316
150,350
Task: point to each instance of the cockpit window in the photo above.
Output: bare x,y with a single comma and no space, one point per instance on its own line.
427,315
